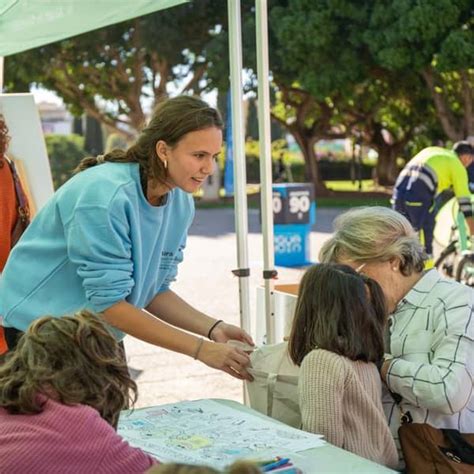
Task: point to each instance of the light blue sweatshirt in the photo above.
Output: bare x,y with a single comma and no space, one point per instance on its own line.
96,242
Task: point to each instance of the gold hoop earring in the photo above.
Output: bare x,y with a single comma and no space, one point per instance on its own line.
165,164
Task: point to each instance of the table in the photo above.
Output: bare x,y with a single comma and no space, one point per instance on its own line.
323,459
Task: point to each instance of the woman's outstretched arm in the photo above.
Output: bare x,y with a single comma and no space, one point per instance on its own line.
169,307
143,325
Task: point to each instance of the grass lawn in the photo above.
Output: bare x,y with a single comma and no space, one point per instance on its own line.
353,201
367,185
371,195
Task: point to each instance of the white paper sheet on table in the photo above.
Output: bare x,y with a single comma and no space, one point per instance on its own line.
206,432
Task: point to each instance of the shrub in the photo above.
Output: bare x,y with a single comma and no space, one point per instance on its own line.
64,152
116,140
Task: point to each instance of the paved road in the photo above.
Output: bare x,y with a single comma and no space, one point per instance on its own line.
205,281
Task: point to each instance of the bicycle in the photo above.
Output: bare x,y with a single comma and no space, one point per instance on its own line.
457,259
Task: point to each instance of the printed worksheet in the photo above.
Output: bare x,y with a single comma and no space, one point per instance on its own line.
208,432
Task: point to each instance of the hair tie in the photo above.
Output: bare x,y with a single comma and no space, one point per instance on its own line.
100,159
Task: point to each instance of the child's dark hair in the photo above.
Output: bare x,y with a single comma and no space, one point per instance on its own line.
338,310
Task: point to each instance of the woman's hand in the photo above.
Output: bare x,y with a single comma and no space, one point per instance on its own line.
224,357
224,332
384,369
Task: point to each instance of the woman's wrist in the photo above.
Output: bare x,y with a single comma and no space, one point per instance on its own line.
198,348
211,329
386,361
386,357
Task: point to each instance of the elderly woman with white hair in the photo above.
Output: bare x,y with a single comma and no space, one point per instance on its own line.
430,338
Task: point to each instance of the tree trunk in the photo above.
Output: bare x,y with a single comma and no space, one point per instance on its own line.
312,166
388,149
386,169
468,102
452,127
94,139
77,126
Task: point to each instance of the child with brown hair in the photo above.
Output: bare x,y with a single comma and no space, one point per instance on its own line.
61,393
337,339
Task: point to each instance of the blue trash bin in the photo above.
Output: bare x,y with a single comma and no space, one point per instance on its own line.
294,213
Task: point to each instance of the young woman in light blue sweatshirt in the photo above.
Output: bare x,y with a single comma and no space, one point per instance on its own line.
111,238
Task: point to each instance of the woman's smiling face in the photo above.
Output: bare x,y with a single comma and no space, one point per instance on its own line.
192,159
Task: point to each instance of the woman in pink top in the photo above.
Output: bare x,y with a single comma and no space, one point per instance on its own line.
61,393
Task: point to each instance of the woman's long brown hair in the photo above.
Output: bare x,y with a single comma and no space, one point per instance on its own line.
172,119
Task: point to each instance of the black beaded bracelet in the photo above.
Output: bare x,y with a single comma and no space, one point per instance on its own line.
213,326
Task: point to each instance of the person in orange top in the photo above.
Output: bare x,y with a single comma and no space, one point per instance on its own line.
8,208
8,205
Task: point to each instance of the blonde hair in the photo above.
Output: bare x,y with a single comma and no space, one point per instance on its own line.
375,233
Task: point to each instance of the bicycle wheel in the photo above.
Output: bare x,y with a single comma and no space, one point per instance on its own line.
445,220
465,270
446,262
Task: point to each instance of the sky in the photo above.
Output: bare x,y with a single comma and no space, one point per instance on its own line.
43,95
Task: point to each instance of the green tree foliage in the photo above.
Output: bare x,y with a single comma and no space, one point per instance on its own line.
337,72
317,92
389,70
114,74
391,74
436,41
115,141
276,130
64,152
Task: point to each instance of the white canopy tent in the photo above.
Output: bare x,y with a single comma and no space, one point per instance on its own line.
26,24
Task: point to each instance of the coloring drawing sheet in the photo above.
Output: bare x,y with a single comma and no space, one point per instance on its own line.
207,432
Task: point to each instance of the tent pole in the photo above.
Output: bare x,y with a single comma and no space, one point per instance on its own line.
240,187
269,272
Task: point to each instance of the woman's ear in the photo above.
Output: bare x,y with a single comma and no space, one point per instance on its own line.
161,149
395,263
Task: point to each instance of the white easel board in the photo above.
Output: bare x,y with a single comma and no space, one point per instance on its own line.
27,146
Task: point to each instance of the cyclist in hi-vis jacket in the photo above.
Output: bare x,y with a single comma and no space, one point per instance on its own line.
431,172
